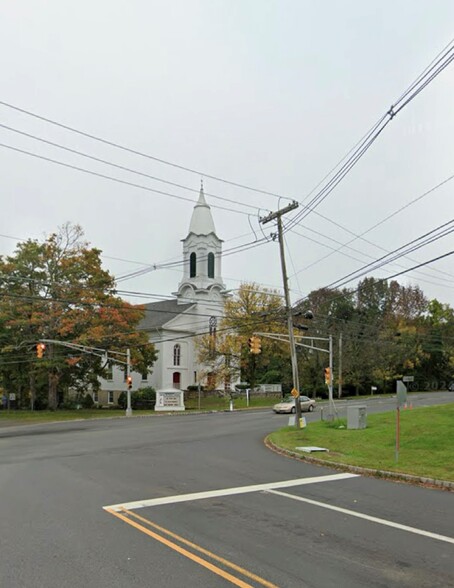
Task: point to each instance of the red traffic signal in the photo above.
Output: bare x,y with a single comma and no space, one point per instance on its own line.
40,349
129,382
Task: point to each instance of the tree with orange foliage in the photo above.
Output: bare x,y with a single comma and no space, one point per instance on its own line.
58,290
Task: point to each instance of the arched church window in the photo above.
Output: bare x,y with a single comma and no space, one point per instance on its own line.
192,265
176,354
211,265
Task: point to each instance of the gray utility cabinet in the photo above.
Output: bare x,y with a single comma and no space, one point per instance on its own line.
356,417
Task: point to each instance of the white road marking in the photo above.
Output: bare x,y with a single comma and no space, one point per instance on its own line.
227,492
366,517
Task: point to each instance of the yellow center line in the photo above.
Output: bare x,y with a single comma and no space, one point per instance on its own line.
200,549
182,551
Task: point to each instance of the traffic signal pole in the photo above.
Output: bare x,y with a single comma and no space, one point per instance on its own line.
278,215
103,353
330,383
128,384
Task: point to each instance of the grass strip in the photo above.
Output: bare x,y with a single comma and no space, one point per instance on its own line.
426,442
12,417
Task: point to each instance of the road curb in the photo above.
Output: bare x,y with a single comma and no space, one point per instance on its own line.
383,474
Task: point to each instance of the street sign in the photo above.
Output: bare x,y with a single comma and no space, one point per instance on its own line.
408,379
295,393
401,393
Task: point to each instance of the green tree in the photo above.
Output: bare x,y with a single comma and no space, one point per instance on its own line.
250,310
58,290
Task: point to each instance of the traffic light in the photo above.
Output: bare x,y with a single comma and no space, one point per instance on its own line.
255,345
40,349
327,375
129,382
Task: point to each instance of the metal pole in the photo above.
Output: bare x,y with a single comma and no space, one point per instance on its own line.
339,391
199,395
397,433
128,391
330,383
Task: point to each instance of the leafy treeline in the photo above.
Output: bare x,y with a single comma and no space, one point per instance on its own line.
388,330
57,290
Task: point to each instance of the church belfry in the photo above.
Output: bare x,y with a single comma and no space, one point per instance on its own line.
202,251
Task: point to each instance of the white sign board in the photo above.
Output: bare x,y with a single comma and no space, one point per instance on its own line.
408,379
169,400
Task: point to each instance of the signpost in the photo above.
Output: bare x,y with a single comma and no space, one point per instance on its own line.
401,398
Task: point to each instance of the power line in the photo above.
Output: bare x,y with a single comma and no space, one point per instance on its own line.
390,277
112,178
428,75
334,250
137,152
388,217
122,167
415,244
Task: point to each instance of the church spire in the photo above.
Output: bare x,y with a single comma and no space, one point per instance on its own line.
201,220
202,252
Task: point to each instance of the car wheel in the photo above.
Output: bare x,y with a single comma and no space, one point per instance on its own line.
311,407
293,410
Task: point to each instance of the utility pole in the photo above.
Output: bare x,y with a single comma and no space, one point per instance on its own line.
272,216
339,390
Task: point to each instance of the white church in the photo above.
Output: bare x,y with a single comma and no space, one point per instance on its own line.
172,324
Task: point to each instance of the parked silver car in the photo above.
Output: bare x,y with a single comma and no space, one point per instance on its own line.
288,404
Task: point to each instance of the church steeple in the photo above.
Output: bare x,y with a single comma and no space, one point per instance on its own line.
201,220
202,250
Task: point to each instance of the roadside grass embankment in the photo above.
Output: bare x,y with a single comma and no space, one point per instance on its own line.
28,417
426,442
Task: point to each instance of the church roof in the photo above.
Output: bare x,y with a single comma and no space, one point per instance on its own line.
201,220
159,313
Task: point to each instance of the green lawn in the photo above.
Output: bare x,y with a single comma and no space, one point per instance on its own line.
426,442
45,416
13,417
221,403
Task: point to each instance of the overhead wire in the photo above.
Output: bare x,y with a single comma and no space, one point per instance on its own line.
447,284
111,178
137,152
125,168
379,223
427,76
421,241
432,71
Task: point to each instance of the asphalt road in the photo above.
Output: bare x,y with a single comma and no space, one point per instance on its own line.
286,523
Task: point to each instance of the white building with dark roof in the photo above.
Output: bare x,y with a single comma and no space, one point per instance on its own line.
196,308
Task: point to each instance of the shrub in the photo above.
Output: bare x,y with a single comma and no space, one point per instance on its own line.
144,398
87,401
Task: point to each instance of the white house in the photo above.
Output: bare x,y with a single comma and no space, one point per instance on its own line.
196,308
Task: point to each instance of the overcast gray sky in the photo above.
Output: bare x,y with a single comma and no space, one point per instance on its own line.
270,94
